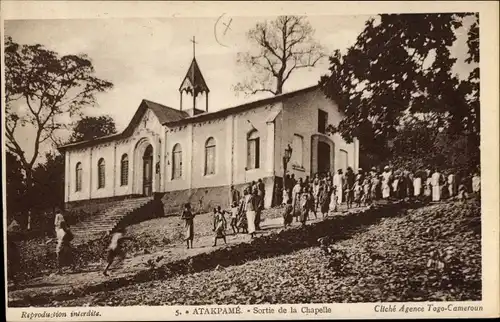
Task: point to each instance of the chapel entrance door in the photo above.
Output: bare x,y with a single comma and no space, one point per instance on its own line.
147,173
324,155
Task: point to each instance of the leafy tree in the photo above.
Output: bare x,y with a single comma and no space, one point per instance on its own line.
91,127
43,90
48,189
15,185
401,65
281,47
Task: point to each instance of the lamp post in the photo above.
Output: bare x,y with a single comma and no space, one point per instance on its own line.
286,159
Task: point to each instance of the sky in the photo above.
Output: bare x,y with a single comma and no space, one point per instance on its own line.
147,58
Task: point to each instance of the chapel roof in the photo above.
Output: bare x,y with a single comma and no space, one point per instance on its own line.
172,117
164,114
240,108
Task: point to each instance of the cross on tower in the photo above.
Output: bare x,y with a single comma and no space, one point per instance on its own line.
194,46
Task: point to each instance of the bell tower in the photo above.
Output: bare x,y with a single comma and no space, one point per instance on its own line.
194,90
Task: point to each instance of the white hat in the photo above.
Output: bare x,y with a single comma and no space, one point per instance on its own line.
386,167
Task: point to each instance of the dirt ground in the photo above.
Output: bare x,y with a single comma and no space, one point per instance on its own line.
159,240
387,262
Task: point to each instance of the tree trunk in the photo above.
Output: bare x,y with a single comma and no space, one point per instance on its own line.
279,86
29,198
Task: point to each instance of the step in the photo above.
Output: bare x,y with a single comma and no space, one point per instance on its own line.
98,225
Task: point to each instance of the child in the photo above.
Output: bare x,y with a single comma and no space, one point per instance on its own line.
311,202
375,186
188,217
366,191
219,226
242,217
234,217
324,200
288,214
285,197
349,191
115,248
357,190
304,207
333,199
462,192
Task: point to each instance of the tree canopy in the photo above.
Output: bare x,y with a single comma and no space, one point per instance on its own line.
43,90
93,127
280,47
401,66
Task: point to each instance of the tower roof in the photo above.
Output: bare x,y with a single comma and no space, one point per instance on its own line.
194,80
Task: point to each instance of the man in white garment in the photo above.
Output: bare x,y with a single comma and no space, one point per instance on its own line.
338,182
436,185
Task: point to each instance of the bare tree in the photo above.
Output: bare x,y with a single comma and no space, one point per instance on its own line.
44,91
282,46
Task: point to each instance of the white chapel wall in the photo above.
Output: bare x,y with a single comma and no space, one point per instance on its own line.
217,129
300,116
178,135
243,124
111,152
230,135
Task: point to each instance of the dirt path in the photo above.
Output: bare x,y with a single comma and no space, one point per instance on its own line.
92,275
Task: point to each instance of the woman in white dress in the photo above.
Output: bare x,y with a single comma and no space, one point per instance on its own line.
333,200
386,178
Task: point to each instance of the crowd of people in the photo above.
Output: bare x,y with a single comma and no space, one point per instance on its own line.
244,214
323,193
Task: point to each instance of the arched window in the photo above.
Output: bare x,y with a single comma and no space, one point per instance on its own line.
101,173
210,156
177,162
124,170
78,177
253,150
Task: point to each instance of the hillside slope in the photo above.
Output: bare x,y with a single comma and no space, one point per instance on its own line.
432,253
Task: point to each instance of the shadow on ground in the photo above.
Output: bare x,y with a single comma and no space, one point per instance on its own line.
284,242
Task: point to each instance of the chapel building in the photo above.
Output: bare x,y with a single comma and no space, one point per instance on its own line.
192,154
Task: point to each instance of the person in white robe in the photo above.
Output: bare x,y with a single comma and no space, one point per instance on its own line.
386,181
417,185
338,184
428,187
396,185
250,206
436,186
285,197
297,189
476,183
452,185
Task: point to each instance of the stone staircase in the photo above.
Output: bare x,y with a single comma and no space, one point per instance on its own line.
98,225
